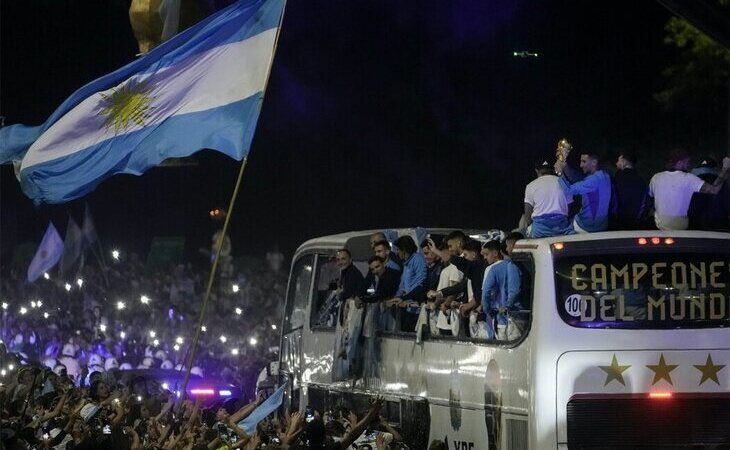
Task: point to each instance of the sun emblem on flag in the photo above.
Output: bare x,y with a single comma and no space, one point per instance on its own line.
127,105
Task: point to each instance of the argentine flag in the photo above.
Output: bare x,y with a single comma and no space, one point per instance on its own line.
201,89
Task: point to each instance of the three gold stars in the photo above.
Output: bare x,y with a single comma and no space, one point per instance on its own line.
662,370
709,370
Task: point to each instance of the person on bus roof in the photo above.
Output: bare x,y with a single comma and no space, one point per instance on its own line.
594,190
672,190
546,205
629,195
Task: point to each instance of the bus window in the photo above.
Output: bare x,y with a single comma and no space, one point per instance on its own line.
323,300
643,288
300,284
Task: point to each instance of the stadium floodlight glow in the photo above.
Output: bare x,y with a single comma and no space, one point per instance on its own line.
144,299
68,287
273,327
239,311
235,288
165,386
39,303
46,276
23,310
32,304
102,327
115,254
3,372
80,282
5,305
223,339
46,315
253,341
121,305
176,347
234,351
179,340
156,342
152,333
122,334
203,329
11,366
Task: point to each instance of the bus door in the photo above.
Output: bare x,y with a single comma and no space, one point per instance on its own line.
297,297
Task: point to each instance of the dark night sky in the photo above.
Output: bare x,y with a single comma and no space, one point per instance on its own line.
377,114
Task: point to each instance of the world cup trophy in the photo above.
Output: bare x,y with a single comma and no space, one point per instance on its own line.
563,150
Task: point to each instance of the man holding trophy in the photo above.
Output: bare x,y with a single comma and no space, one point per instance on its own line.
594,190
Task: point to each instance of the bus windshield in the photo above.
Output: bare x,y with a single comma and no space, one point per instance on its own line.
643,287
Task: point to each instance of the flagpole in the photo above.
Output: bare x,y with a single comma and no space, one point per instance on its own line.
211,277
201,319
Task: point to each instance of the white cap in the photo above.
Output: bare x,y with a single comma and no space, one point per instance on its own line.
58,368
142,366
50,362
147,362
125,366
197,371
95,360
96,368
69,350
148,352
179,367
111,363
161,355
167,364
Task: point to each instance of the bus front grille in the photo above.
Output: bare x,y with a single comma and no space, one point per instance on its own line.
639,422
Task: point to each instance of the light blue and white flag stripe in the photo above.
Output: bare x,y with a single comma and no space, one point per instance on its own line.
262,411
201,89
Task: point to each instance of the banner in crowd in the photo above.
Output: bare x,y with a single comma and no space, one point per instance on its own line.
47,255
201,89
262,411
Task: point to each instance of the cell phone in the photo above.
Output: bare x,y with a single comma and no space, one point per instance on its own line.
46,436
309,414
107,429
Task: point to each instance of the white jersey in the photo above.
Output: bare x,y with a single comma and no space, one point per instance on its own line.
546,196
672,192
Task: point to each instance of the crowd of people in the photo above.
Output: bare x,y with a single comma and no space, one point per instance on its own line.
110,318
562,200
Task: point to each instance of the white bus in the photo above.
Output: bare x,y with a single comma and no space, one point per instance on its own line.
627,346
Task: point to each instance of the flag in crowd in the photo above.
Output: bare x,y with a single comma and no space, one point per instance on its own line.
201,89
73,245
48,254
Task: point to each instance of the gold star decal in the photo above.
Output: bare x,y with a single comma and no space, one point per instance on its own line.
614,371
709,370
661,370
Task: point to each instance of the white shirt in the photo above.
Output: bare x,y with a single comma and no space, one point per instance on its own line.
450,276
672,192
546,196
